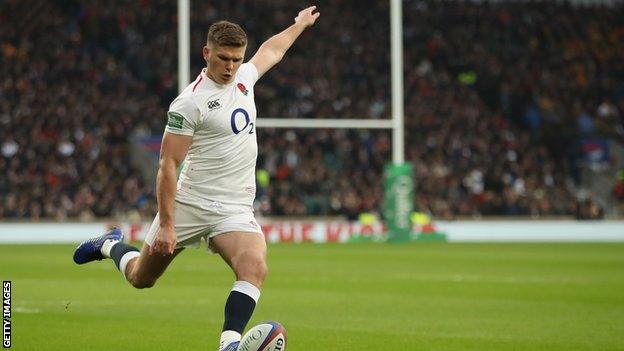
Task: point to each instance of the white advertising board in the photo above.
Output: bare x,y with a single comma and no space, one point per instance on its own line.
342,231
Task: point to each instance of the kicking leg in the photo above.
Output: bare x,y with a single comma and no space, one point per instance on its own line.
246,255
140,269
143,269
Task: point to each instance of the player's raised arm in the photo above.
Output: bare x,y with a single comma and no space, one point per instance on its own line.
272,50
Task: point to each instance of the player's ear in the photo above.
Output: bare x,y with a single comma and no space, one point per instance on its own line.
205,52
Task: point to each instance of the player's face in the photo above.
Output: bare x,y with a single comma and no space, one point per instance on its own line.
223,62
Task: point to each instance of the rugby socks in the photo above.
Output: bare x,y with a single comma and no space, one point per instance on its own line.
238,310
122,253
107,246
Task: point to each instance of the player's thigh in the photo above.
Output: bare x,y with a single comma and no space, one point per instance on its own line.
237,247
238,238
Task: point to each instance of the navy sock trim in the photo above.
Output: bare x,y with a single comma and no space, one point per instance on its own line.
120,249
238,310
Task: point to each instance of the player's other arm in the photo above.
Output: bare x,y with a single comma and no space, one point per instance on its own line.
172,152
272,50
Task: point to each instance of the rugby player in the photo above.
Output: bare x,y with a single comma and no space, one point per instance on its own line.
211,127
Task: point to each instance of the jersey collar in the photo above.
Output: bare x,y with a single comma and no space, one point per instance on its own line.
212,82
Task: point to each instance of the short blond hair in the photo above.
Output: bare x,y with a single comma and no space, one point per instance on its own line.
224,33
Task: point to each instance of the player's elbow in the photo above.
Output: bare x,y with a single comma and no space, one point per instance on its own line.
273,54
278,56
168,163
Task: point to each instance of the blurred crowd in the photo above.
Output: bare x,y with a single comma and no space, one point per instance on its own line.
68,104
498,98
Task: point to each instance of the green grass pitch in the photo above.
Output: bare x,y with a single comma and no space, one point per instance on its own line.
417,296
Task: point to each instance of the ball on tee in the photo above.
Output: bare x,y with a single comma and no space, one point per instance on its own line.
267,336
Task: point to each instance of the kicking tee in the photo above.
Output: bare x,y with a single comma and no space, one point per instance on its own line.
221,160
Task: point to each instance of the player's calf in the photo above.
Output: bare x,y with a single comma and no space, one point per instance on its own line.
123,254
143,271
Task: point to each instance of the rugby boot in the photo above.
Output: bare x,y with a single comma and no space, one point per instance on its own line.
90,250
233,346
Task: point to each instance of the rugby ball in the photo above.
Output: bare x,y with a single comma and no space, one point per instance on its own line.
267,336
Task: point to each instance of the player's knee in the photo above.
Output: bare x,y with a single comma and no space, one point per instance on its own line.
261,270
141,282
253,269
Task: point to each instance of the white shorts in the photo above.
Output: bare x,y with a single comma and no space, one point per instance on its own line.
192,224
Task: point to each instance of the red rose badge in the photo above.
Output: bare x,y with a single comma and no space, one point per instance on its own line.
242,88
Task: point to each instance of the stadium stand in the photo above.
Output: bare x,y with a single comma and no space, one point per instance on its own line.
503,104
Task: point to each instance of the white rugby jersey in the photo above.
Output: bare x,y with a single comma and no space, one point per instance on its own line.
221,160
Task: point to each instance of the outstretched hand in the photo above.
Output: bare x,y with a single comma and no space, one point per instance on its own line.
306,17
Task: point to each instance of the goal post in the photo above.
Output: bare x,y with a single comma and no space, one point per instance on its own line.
399,178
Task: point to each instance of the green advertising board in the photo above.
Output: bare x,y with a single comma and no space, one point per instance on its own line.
398,201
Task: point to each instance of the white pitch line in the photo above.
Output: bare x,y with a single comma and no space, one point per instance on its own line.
25,310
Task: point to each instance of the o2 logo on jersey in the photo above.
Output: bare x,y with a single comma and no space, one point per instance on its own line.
240,120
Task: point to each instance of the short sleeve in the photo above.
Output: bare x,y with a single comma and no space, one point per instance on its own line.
248,73
183,116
